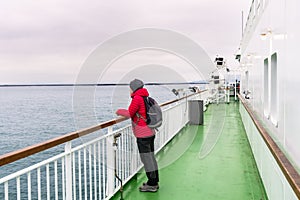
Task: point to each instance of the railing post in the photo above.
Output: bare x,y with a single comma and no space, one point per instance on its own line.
68,168
110,164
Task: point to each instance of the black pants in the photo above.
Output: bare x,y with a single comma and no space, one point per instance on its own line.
146,150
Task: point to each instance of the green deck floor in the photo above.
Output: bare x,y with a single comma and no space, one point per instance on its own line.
198,171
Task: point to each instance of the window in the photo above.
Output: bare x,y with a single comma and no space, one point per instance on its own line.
266,88
274,90
247,80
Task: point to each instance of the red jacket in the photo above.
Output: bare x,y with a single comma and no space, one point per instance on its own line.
137,105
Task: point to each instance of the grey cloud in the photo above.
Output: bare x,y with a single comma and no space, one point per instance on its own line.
51,31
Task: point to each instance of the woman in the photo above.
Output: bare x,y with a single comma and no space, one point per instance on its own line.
144,135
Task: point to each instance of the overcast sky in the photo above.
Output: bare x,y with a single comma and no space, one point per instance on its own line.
48,41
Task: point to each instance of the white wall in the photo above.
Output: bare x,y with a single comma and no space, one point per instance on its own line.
292,81
281,18
275,183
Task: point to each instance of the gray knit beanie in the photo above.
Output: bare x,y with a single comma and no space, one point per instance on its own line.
136,84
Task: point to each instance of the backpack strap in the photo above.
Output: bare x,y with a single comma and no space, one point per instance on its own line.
140,117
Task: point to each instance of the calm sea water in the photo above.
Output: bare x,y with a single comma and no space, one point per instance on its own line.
30,115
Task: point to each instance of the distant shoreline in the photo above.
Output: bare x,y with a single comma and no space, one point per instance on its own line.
100,84
56,85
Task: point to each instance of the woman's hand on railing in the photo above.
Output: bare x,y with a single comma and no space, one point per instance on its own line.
123,112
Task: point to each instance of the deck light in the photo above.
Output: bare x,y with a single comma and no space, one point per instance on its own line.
265,34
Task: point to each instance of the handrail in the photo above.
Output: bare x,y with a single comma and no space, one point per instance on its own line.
28,151
285,165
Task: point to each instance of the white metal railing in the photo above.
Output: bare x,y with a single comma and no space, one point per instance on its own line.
87,171
256,9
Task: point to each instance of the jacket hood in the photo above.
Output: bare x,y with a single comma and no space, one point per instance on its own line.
140,92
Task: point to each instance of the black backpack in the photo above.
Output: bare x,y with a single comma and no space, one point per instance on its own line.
153,113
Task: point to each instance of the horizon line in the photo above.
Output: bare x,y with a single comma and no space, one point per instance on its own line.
100,84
